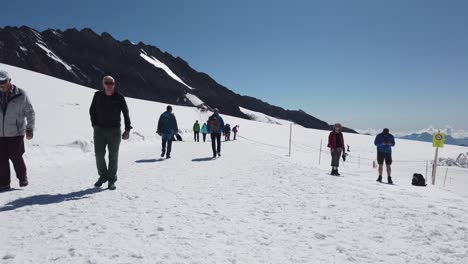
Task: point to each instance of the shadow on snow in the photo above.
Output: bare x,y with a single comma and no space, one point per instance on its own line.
45,199
202,159
149,160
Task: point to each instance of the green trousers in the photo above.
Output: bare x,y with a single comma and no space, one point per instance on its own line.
109,138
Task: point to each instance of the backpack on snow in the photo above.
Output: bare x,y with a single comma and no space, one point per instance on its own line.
213,124
418,180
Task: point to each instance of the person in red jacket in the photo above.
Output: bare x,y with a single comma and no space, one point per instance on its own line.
337,147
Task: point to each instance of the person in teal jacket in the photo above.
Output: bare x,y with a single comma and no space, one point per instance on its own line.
204,131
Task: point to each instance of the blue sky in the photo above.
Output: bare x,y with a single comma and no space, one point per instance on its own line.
367,64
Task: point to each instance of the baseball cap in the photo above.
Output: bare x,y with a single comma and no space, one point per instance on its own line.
4,75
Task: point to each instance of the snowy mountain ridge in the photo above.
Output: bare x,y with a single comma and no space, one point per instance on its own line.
142,71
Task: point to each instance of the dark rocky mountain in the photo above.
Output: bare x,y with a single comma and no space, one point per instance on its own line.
427,137
84,57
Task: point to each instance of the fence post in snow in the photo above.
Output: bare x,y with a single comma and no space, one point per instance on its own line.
290,139
434,166
445,180
427,168
320,153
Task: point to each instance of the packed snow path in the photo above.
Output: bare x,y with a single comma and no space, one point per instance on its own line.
250,206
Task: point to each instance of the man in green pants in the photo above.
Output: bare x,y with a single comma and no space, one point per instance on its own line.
105,112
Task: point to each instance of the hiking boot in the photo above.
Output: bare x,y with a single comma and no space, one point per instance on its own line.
168,156
112,186
5,188
99,183
24,183
337,173
390,180
219,154
333,172
379,179
163,154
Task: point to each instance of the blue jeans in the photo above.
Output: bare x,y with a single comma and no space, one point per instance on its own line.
167,143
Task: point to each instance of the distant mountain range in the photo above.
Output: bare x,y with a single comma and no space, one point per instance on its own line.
142,71
427,137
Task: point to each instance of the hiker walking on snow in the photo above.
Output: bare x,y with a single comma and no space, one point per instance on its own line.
196,131
337,148
215,128
235,130
15,108
384,143
204,131
105,112
227,132
167,128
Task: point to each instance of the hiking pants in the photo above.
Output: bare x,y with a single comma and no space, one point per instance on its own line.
107,138
336,155
12,148
216,143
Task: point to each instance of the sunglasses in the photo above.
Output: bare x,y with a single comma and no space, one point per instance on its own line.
4,81
109,83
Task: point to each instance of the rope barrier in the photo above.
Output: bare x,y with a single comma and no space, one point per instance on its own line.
307,149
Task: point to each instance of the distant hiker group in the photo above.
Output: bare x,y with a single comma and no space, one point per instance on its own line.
17,120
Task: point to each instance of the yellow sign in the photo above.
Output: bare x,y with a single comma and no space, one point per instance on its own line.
438,140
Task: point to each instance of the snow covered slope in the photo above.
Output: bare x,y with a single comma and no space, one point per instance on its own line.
261,117
159,64
254,205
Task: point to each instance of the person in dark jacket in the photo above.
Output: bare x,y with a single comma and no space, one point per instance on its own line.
215,128
15,108
227,132
337,148
196,131
235,130
105,112
167,128
384,143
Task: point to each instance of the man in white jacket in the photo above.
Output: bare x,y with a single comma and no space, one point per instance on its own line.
16,120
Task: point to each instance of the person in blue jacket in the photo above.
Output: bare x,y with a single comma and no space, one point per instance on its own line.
215,128
384,142
167,128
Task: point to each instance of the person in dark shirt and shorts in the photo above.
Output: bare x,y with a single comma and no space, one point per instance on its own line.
384,143
105,112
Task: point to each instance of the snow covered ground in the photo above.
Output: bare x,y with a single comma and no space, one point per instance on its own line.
254,205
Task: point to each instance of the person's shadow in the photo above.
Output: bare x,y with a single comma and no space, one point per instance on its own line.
149,160
45,199
202,159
